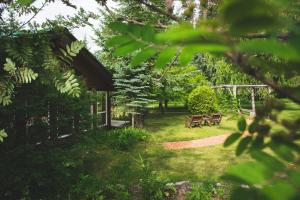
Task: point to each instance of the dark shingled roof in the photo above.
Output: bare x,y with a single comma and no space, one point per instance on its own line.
95,74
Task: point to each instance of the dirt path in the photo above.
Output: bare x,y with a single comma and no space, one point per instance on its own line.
209,141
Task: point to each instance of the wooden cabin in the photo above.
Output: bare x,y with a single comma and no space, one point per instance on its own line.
96,76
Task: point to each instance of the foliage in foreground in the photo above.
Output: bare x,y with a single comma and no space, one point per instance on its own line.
276,155
65,170
203,100
264,45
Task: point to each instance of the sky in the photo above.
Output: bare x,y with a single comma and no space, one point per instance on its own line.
58,8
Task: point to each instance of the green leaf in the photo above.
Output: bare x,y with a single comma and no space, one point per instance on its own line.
272,47
178,33
128,48
117,41
189,51
2,135
186,33
142,56
279,190
252,127
242,124
242,146
258,143
9,66
165,56
269,161
135,30
249,172
252,193
25,2
231,139
119,27
185,56
148,33
249,16
282,150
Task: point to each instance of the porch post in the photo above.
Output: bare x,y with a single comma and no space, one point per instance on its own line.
108,109
95,113
253,113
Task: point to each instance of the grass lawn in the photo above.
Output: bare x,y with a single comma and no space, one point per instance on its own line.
197,163
111,166
194,164
170,127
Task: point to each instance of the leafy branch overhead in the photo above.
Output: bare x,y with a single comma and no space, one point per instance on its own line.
261,39
20,72
71,51
231,37
2,135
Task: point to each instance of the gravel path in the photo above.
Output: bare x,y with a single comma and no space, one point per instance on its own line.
209,141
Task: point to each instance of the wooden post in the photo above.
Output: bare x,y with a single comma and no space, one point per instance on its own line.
108,109
103,109
95,118
253,113
132,119
91,112
234,91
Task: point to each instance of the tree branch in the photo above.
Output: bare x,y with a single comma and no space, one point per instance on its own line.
28,21
159,10
132,21
241,61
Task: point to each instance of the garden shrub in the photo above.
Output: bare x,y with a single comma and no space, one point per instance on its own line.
124,139
207,190
153,186
203,100
117,192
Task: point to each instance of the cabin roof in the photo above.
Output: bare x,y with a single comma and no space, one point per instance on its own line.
93,71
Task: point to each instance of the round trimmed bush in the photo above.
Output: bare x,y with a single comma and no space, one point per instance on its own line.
203,100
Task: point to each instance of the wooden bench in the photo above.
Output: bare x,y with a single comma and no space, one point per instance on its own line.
198,120
207,120
195,120
216,118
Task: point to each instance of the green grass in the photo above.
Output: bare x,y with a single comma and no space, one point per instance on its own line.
196,164
113,166
189,164
170,127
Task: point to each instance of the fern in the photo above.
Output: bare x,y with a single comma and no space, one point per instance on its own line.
71,51
10,66
15,76
6,90
68,84
25,75
22,54
2,135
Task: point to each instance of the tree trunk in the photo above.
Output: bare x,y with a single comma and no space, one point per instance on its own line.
166,104
161,107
